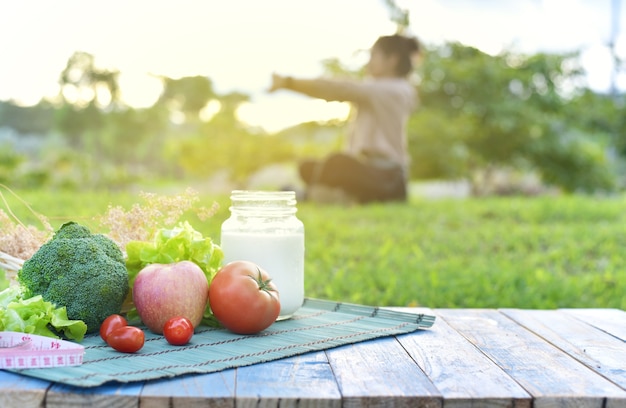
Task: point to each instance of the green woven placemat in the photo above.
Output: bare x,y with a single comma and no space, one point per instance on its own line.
318,325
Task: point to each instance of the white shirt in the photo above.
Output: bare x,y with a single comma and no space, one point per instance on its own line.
383,109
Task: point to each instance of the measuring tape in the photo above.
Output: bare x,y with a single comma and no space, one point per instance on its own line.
23,350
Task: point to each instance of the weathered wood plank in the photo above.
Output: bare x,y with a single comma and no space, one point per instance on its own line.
552,377
190,391
113,395
21,391
595,348
379,373
301,381
564,358
612,321
460,372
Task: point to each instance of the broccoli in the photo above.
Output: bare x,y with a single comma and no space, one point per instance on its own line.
82,271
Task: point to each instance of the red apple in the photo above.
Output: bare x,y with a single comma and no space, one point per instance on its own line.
163,291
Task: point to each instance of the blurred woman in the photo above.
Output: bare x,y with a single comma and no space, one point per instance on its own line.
375,162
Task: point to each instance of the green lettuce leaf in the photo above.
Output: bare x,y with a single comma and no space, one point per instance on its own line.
36,316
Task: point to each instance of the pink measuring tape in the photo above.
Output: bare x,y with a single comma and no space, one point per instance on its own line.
23,350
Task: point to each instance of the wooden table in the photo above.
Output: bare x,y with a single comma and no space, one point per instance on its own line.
470,357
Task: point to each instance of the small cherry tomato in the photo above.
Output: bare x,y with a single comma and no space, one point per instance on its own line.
126,339
243,298
111,323
178,331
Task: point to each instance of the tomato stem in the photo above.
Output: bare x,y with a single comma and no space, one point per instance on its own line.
264,285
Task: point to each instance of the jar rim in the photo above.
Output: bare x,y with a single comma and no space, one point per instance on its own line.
263,200
259,196
264,193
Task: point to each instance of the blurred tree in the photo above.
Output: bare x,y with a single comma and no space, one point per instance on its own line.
134,136
79,124
479,113
224,143
601,115
9,162
314,139
603,118
187,96
502,111
37,119
85,90
398,15
82,83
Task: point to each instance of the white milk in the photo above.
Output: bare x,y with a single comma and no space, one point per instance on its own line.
280,255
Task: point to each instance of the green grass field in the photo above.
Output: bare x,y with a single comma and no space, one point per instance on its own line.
543,252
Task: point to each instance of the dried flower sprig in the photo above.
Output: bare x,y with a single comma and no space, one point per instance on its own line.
142,220
19,240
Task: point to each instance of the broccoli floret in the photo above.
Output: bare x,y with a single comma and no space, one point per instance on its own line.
82,271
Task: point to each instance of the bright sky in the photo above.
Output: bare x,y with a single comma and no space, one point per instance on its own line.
239,43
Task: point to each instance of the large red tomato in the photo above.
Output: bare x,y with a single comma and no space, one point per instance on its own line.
243,298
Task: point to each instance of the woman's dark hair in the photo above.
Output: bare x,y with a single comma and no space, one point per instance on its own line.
404,47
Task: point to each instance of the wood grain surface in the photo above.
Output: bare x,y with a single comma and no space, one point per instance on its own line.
469,358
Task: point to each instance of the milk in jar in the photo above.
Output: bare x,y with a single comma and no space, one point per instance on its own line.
263,228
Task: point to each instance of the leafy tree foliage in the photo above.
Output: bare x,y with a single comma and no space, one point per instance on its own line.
398,15
84,90
478,113
83,83
134,135
9,162
187,95
78,124
37,119
224,143
481,112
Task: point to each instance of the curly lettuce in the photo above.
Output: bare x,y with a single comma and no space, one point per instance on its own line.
36,316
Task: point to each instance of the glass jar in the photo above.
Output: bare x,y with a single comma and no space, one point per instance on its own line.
263,228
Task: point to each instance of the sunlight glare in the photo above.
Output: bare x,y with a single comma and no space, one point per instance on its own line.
139,90
279,113
211,108
594,59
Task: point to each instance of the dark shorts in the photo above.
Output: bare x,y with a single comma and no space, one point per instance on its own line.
365,181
